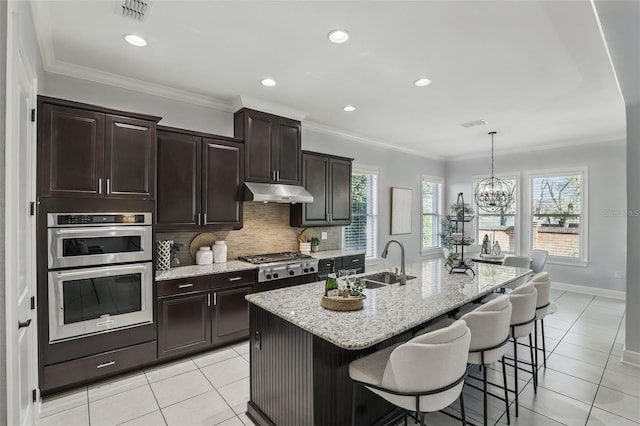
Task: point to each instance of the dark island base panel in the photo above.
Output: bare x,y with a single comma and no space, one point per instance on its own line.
300,379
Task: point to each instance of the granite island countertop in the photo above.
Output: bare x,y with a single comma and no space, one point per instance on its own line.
196,270
388,310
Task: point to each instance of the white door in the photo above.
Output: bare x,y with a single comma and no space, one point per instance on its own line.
21,235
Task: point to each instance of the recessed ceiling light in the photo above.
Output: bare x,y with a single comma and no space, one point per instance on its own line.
349,108
422,82
269,82
338,36
135,40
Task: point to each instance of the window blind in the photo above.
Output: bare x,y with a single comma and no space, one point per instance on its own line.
362,234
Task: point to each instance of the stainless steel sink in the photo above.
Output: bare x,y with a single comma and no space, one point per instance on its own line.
380,279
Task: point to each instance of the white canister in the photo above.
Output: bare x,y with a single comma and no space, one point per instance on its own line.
204,256
219,252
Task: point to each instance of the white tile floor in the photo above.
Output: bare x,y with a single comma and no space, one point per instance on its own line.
584,383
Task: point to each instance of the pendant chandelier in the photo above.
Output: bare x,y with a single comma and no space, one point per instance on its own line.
493,194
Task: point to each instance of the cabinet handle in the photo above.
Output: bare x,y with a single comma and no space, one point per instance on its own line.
106,364
355,260
199,216
100,186
108,189
185,285
235,279
209,299
204,219
273,175
24,324
277,175
215,299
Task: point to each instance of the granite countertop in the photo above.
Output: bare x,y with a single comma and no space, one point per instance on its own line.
388,310
327,254
195,270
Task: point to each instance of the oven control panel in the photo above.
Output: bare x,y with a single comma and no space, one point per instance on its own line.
93,219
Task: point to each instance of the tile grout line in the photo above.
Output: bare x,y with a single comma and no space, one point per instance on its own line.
216,389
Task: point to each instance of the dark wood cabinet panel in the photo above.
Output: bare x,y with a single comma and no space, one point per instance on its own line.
272,146
178,199
71,152
230,319
340,193
223,176
287,151
130,158
86,151
184,323
200,178
328,179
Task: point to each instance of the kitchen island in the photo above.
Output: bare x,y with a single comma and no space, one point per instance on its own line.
300,352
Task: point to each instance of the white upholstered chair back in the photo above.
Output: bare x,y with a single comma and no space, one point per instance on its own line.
517,261
428,362
542,283
489,326
523,309
538,260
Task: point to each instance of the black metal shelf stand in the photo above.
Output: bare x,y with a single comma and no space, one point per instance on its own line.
462,267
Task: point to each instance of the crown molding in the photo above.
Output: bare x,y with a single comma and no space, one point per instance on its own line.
44,32
245,101
321,128
565,144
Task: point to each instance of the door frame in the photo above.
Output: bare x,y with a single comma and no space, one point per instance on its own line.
16,51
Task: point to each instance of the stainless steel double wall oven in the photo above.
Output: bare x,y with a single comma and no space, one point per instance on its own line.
100,273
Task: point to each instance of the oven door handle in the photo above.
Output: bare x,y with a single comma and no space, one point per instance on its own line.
61,295
104,271
99,231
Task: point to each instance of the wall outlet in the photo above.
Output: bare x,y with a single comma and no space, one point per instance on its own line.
323,235
618,275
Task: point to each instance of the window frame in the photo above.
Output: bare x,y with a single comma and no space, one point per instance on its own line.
437,249
371,170
583,259
517,220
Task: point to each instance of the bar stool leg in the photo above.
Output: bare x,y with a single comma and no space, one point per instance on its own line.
544,348
506,390
534,367
484,388
535,338
462,413
515,370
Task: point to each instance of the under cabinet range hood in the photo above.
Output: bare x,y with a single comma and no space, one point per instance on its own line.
276,193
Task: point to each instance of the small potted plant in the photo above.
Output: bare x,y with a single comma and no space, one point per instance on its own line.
453,259
315,241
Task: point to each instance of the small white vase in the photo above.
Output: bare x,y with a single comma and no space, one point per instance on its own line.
305,248
219,252
204,256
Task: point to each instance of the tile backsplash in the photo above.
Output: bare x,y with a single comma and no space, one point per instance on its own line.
266,230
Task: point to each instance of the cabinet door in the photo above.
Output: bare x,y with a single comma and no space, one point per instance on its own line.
223,173
71,152
287,151
315,179
259,131
340,203
178,199
184,323
130,160
230,314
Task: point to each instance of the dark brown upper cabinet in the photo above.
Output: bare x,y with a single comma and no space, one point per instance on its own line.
272,144
87,151
328,179
200,179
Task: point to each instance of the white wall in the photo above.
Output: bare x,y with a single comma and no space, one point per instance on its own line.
620,21
396,169
607,185
175,113
3,91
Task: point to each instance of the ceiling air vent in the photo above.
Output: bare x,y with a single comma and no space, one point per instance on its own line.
134,9
474,123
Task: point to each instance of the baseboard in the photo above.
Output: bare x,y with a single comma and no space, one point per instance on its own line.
631,357
593,291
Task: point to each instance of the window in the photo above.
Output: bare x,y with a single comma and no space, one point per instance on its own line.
499,226
558,214
431,211
362,234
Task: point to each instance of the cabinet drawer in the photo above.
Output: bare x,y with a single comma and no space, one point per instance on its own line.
355,260
85,369
183,285
328,265
229,279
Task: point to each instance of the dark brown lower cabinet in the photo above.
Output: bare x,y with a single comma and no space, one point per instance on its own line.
183,323
230,319
201,312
